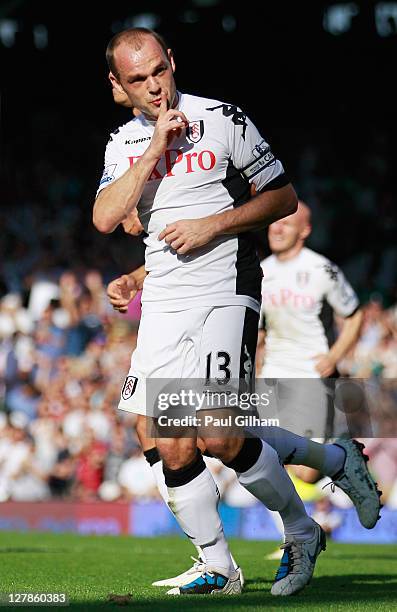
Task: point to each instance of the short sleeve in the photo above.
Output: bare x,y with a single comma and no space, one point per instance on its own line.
250,153
340,294
115,165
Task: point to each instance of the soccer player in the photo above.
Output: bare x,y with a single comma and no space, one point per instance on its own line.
301,291
187,163
125,289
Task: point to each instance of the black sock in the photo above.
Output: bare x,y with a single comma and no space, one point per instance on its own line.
152,456
248,455
177,478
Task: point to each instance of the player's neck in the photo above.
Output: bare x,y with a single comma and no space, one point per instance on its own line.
291,253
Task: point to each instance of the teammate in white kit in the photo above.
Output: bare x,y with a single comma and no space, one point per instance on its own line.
301,291
189,171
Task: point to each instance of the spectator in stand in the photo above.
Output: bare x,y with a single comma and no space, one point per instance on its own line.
89,470
136,478
326,515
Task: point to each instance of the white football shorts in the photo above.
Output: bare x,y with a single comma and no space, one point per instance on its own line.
216,343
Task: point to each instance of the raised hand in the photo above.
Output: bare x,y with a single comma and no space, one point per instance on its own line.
121,291
168,126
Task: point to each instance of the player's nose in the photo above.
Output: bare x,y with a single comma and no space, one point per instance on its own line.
153,85
276,229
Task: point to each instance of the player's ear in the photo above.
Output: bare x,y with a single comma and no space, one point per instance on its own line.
307,230
114,82
171,59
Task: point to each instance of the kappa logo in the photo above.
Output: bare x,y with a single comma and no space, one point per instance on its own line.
128,142
129,387
332,270
237,115
195,131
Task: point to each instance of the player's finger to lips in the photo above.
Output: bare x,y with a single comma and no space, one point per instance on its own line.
163,103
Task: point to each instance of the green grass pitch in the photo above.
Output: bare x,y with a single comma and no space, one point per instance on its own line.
347,577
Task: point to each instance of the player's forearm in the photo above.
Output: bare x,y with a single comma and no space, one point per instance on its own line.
139,276
116,202
263,209
348,336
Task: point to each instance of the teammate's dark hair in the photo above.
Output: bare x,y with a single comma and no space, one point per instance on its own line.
134,37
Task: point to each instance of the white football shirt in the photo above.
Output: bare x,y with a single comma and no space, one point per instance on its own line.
207,170
299,297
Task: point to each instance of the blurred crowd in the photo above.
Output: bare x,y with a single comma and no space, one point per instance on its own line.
63,357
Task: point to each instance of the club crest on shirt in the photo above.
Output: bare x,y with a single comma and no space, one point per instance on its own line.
129,387
195,130
302,278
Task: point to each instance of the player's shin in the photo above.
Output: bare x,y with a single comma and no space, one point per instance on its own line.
193,498
298,450
260,472
153,458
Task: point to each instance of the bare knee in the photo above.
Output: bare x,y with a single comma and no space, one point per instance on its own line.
177,453
225,449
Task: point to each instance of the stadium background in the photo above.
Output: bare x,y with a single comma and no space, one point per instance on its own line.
317,80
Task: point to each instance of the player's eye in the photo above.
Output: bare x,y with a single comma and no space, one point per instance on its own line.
160,70
138,79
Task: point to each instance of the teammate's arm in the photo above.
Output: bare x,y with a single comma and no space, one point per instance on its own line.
263,209
326,364
116,202
122,290
342,298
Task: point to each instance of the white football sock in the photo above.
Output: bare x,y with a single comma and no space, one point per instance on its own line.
201,555
298,450
157,469
195,506
268,481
